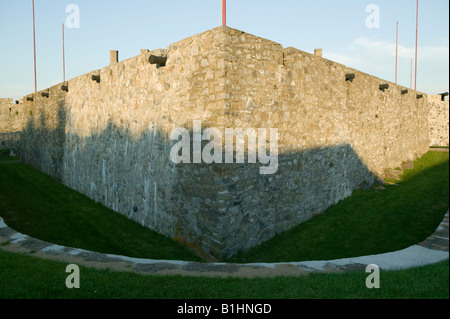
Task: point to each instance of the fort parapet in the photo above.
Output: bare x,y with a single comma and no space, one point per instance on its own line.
106,134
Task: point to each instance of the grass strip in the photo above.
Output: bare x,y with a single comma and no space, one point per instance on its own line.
28,277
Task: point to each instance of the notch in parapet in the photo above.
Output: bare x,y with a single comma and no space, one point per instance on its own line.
419,96
65,87
350,77
96,78
443,96
113,57
405,91
158,60
384,87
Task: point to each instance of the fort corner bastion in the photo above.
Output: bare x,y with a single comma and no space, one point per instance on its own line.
107,134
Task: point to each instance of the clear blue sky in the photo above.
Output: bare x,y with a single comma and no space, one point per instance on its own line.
338,27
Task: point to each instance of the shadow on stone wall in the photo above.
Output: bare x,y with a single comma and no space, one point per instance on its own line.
216,210
43,147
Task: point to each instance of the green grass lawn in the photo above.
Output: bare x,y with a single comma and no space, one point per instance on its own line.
25,276
369,222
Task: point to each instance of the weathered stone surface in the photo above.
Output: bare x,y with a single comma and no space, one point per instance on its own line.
11,123
438,118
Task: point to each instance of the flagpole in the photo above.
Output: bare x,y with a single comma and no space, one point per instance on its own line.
64,55
417,32
224,12
34,45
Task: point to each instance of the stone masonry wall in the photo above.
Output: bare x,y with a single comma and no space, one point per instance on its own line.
116,142
333,135
11,122
111,140
42,138
438,118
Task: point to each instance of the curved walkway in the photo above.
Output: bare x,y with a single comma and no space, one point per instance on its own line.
432,250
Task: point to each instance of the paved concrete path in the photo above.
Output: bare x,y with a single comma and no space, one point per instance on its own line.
432,250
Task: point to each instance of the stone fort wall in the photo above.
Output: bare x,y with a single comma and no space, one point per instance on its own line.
438,119
11,123
111,140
